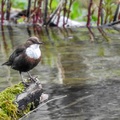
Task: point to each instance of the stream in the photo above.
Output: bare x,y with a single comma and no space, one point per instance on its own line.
80,67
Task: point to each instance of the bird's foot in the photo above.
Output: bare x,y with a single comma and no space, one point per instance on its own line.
35,80
25,83
32,79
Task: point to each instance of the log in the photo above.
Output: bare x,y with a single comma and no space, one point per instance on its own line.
31,95
19,99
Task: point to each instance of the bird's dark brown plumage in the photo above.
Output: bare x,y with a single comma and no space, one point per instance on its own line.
19,59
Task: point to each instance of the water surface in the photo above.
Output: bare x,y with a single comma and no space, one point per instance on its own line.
87,71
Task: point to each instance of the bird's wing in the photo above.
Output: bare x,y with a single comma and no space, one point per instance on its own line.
16,53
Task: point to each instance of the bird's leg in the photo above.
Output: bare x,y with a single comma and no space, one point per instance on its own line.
23,81
31,78
21,77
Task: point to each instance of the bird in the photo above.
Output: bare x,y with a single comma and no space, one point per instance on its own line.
25,57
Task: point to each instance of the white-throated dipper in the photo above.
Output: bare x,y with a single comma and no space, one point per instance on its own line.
26,56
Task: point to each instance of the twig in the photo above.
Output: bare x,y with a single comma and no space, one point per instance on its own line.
39,12
102,16
89,14
71,2
64,13
50,5
99,12
92,36
73,103
2,11
28,10
36,14
45,13
43,105
57,98
58,15
116,12
113,23
4,40
104,34
8,9
59,6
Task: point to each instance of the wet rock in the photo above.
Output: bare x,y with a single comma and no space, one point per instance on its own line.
32,94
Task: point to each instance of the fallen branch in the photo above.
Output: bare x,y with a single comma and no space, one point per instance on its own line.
43,105
32,94
113,23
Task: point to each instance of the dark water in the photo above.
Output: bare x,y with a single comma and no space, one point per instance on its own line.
87,72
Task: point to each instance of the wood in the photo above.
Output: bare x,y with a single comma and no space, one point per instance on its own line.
31,95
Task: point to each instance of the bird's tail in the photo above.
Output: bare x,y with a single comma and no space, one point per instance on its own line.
7,63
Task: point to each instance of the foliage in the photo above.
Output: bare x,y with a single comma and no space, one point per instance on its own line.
109,8
39,11
76,11
19,4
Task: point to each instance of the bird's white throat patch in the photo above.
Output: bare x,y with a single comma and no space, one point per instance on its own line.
33,51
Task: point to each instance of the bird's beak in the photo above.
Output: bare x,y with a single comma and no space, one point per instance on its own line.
39,43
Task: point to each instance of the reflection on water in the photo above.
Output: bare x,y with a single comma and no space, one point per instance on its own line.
87,72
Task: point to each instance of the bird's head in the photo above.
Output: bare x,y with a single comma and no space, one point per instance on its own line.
33,40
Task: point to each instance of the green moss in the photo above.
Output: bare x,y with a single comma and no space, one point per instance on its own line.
8,109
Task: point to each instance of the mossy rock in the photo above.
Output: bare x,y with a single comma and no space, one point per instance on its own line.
8,107
19,99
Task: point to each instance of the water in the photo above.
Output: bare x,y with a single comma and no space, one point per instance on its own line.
72,64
